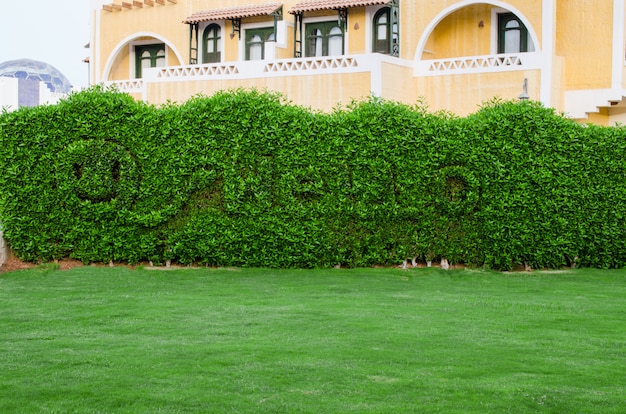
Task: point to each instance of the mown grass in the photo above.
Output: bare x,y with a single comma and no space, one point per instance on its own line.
118,340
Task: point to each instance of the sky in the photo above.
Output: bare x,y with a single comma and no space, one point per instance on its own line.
51,31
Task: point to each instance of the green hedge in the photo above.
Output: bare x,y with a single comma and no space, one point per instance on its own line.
246,179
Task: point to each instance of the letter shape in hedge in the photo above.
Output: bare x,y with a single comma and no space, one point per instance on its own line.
99,171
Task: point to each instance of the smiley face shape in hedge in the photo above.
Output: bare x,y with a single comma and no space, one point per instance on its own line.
99,171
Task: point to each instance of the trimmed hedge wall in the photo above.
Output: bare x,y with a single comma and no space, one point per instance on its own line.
246,179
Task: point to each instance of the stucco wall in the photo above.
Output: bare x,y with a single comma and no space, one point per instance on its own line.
301,90
586,42
398,85
466,93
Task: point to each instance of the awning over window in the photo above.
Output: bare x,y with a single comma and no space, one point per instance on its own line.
233,13
313,5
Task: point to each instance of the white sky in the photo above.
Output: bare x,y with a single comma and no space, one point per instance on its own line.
51,31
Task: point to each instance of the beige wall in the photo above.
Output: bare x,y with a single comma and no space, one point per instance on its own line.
586,42
399,85
464,94
301,90
357,42
599,118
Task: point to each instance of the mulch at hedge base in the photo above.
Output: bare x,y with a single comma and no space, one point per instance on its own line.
15,263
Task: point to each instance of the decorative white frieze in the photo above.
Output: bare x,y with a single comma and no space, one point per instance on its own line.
128,86
478,64
319,64
197,71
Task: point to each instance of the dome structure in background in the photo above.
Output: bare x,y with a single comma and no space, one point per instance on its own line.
39,71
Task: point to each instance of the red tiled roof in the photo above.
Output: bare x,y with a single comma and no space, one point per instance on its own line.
233,13
312,5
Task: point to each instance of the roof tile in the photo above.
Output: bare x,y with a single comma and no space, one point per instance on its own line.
233,13
313,5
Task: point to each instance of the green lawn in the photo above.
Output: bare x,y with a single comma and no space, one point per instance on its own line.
118,340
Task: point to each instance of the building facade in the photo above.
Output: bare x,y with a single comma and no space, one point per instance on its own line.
452,55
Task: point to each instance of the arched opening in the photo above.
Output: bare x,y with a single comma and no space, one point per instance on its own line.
471,28
140,51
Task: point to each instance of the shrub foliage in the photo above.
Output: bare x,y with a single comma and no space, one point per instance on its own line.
245,179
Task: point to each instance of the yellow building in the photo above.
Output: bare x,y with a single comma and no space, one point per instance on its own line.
450,54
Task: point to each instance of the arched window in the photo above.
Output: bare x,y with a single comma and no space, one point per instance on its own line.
324,39
335,41
512,34
212,41
382,31
255,48
316,43
255,42
385,31
148,56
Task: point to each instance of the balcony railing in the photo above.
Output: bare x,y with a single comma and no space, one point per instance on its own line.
478,64
259,69
368,63
128,86
298,65
197,71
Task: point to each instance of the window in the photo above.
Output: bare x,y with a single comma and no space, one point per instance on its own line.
324,39
383,32
212,41
148,56
255,42
512,34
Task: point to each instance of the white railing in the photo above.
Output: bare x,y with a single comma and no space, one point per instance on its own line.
197,71
311,64
478,64
367,63
262,68
128,86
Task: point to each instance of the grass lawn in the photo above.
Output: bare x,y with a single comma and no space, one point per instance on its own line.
119,340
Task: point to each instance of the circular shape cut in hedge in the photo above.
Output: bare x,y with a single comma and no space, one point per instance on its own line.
99,171
456,190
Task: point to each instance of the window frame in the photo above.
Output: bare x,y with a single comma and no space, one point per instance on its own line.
373,12
503,20
376,15
217,44
266,36
154,49
326,26
376,41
